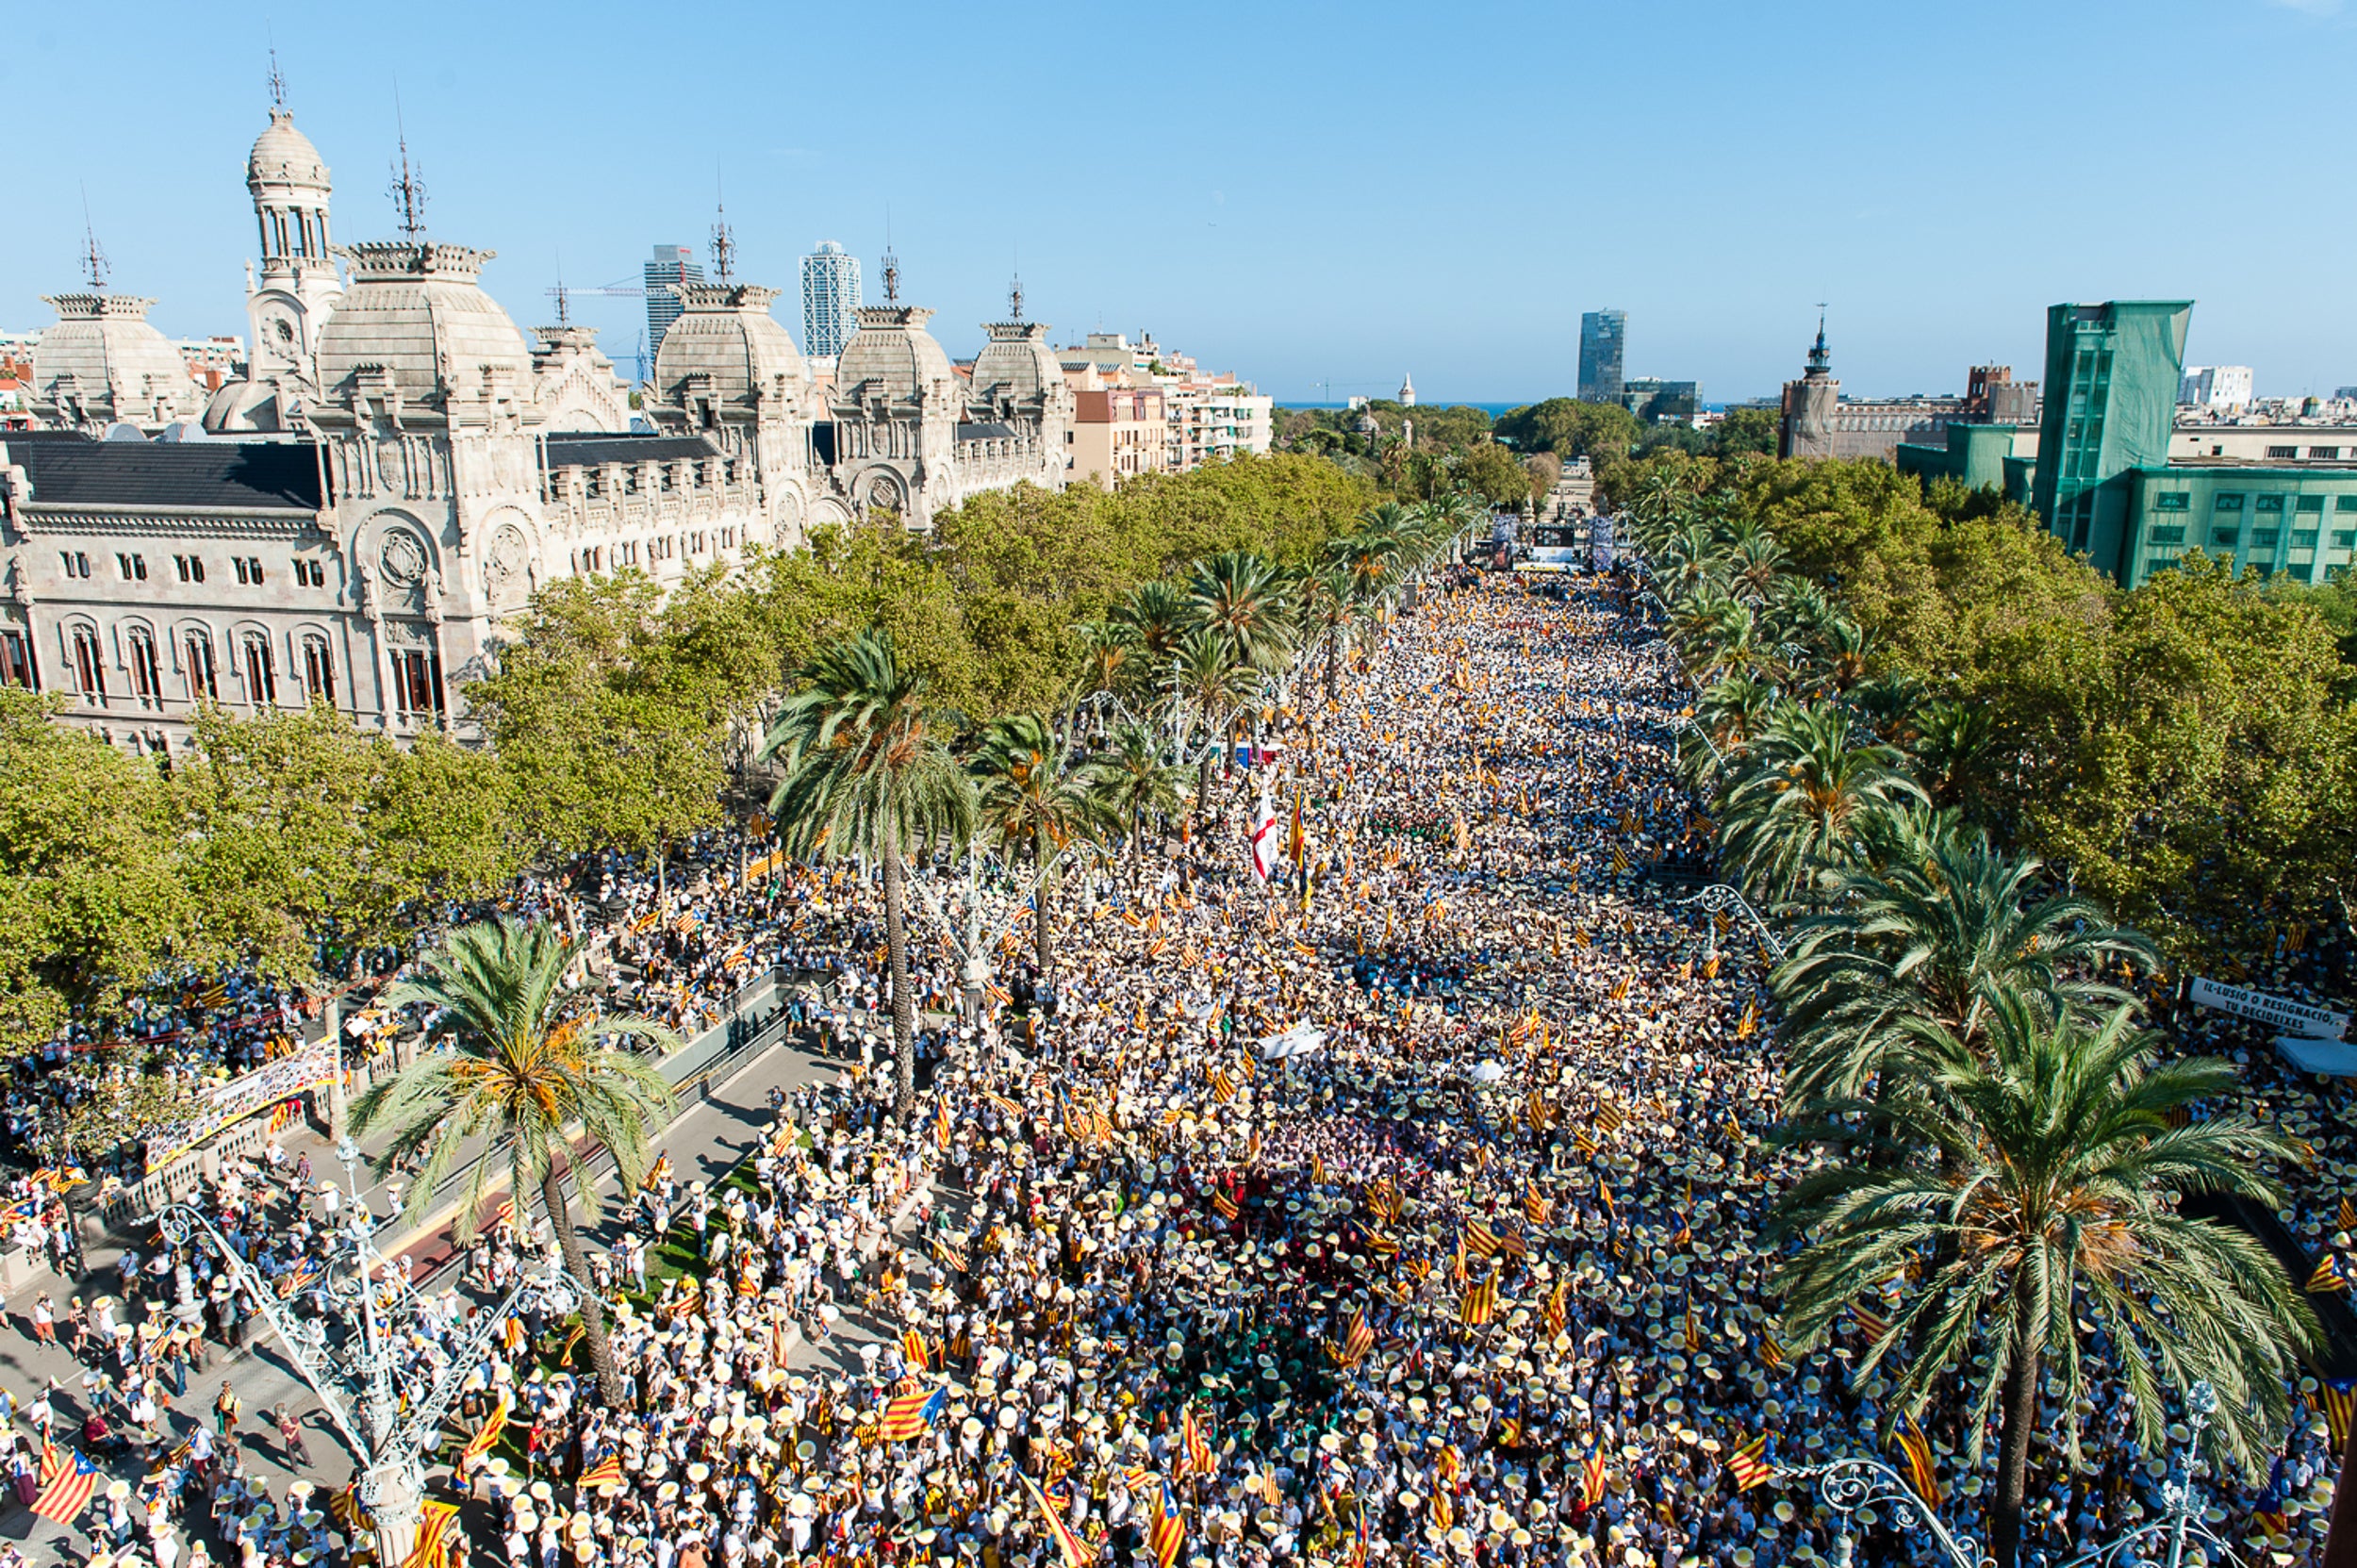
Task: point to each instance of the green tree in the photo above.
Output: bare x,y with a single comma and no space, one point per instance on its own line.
1801,799
1245,599
869,771
2040,1186
517,1083
1131,786
1570,428
1490,472
1035,800
1745,432
1208,683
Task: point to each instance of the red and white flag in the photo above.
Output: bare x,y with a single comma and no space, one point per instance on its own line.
1263,839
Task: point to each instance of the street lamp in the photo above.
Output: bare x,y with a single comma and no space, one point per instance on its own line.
1682,724
385,1402
1718,897
1849,1485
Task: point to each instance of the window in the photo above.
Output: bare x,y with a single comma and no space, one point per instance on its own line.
203,684
2304,539
2267,504
2310,504
310,574
2170,536
261,674
2263,540
77,564
239,562
2227,503
132,567
2345,503
147,680
254,565
2282,452
319,670
2330,453
2345,538
2172,501
249,570
90,666
192,569
16,662
2225,538
418,684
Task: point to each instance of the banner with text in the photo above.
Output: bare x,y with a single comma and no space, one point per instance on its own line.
2292,1018
229,1103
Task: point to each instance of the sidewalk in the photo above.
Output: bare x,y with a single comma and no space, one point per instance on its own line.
703,1144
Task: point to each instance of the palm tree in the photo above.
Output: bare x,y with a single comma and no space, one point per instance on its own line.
869,771
519,1079
1158,614
1131,784
2039,1188
1108,652
1797,806
1245,598
1329,603
1953,740
1033,801
1209,681
1946,931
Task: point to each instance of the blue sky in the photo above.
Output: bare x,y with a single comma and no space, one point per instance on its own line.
1309,195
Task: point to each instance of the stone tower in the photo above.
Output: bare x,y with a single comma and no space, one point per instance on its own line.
1806,430
290,295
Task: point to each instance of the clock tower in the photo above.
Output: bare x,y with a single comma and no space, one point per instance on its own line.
289,299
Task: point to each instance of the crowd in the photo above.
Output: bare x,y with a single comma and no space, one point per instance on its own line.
1402,1206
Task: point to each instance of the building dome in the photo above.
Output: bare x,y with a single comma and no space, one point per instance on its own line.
415,314
102,363
891,355
1016,363
283,155
727,350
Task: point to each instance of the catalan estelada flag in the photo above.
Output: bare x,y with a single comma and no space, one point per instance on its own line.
67,1479
2339,1398
1591,1478
1479,1303
2327,1279
1165,1531
1077,1553
344,1505
1480,1240
1195,1449
907,1415
1920,1471
1749,1466
493,1425
435,1520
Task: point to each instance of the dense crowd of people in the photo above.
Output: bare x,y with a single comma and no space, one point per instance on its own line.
1404,1205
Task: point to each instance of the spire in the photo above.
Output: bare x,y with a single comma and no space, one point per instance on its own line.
277,85
1015,299
93,259
1820,361
408,190
723,238
892,276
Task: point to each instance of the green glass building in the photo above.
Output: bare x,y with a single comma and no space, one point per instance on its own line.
2103,481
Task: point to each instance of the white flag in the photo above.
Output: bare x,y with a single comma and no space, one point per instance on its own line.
1263,838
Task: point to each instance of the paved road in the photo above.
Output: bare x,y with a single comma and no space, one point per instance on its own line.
703,1144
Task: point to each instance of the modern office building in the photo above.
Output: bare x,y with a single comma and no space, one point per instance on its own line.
830,298
2120,483
2222,388
1603,353
669,272
1659,401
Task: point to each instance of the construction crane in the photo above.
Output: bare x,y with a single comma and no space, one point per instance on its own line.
563,296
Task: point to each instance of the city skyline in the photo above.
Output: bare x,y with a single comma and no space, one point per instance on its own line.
1307,272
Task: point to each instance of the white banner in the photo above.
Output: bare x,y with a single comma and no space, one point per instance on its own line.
240,1098
2293,1018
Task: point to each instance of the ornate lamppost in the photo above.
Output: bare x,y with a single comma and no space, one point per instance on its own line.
1718,898
1849,1486
387,1400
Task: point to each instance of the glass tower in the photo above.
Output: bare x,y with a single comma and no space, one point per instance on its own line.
830,294
670,269
1602,336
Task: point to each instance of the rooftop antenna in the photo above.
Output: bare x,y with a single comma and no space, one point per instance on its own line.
723,242
408,190
277,83
93,259
1015,292
891,262
563,316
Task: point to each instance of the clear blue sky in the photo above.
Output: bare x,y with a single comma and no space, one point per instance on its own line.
1300,193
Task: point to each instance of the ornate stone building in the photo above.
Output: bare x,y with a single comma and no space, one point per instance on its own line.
358,520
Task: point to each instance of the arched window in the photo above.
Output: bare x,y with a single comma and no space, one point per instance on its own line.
147,681
261,674
196,648
319,669
90,666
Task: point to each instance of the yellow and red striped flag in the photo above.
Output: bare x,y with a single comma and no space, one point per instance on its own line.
1077,1553
606,1472
1748,1464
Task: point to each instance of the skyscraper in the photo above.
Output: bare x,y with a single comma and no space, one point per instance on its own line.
671,269
1602,336
830,294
